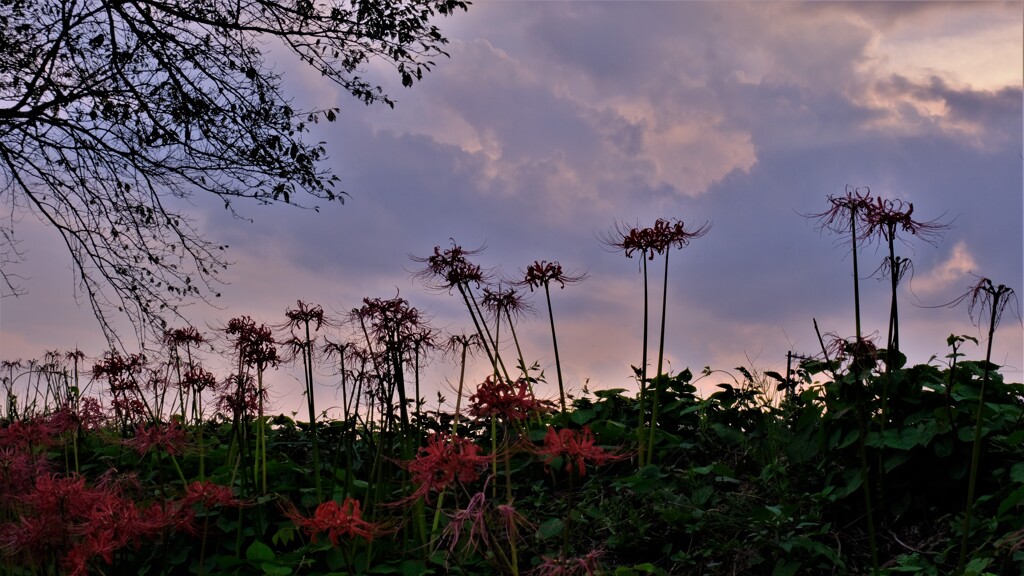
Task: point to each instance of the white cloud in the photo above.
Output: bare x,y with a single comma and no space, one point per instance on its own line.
946,273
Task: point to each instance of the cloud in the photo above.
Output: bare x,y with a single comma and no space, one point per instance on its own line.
947,273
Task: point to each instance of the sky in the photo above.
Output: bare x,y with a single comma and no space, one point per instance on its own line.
553,121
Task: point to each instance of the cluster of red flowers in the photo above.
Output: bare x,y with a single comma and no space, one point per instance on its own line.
513,401
444,460
65,517
577,447
336,520
168,437
571,566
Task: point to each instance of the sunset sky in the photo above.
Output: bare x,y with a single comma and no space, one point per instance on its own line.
552,121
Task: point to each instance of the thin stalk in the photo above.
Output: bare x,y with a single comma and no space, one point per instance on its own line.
554,341
307,361
656,400
976,450
643,375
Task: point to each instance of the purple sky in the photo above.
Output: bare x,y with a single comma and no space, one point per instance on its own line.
552,121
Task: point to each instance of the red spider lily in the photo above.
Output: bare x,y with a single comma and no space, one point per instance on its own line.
673,233
631,240
543,273
507,301
577,447
210,495
119,371
444,460
187,335
335,520
65,517
255,344
885,217
91,415
574,566
240,396
169,437
503,399
197,379
450,268
847,212
306,316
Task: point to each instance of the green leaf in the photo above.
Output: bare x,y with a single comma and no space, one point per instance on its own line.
275,570
582,416
1017,472
550,529
259,552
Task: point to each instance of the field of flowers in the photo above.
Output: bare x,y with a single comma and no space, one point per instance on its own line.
853,463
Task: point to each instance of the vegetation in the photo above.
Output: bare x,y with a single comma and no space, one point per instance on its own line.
853,463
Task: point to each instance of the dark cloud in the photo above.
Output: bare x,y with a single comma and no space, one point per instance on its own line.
553,121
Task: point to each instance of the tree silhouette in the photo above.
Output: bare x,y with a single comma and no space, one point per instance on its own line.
110,110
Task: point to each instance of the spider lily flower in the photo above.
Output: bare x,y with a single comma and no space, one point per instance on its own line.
336,521
576,447
511,401
444,460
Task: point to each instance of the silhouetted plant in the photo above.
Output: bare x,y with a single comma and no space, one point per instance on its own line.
451,269
642,241
847,215
887,218
543,273
981,297
667,234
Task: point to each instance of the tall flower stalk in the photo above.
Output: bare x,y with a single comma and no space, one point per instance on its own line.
887,218
640,241
666,235
307,319
541,274
450,269
983,296
847,214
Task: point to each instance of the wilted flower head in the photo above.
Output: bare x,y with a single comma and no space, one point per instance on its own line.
887,217
863,354
255,344
856,201
507,301
673,233
304,314
179,336
631,240
449,268
390,320
543,273
984,296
